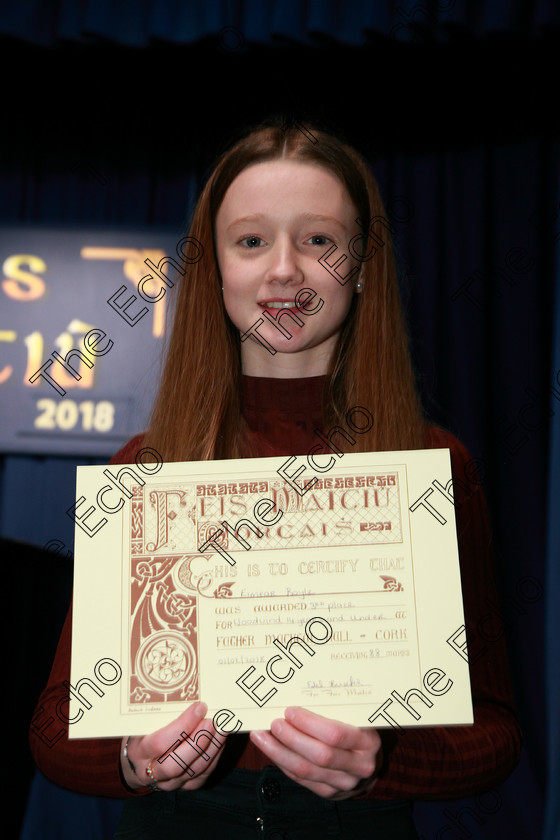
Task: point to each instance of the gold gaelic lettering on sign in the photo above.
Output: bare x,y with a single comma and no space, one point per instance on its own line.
64,344
21,284
134,269
6,371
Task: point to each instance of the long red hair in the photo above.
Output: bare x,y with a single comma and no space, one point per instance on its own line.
197,413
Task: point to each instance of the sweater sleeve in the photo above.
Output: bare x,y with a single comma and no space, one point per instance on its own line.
453,762
88,765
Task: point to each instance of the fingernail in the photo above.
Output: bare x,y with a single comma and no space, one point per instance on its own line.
290,713
200,709
257,735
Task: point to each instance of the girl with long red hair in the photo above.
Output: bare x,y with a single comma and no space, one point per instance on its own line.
267,345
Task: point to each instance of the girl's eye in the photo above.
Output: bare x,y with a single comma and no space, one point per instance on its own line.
319,240
252,241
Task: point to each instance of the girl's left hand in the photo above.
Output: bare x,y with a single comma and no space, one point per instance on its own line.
332,759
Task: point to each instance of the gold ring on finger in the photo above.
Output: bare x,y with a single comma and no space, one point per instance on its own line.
154,782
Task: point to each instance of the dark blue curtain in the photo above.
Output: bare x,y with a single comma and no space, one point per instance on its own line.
455,112
140,23
552,649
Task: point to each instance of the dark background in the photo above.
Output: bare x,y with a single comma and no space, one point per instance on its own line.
113,113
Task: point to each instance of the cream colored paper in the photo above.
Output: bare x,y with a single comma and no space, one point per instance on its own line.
184,625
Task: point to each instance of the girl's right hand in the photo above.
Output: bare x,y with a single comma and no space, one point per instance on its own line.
181,755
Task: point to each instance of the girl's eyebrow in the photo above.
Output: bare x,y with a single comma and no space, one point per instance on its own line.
306,217
258,217
315,217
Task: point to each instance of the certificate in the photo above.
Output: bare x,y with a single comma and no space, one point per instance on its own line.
257,584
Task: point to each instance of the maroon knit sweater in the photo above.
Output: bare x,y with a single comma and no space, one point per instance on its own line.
425,763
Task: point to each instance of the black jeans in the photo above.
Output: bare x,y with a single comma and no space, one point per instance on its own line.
264,805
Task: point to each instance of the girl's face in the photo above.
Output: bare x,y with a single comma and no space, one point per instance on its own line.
275,222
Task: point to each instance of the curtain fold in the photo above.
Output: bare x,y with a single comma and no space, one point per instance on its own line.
552,639
137,23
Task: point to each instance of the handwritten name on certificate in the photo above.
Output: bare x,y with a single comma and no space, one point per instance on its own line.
251,588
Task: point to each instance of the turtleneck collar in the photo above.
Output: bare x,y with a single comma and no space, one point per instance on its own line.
284,413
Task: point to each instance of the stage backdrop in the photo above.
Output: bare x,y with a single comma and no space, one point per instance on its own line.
450,103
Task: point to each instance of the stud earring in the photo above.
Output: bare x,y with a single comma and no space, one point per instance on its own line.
359,288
